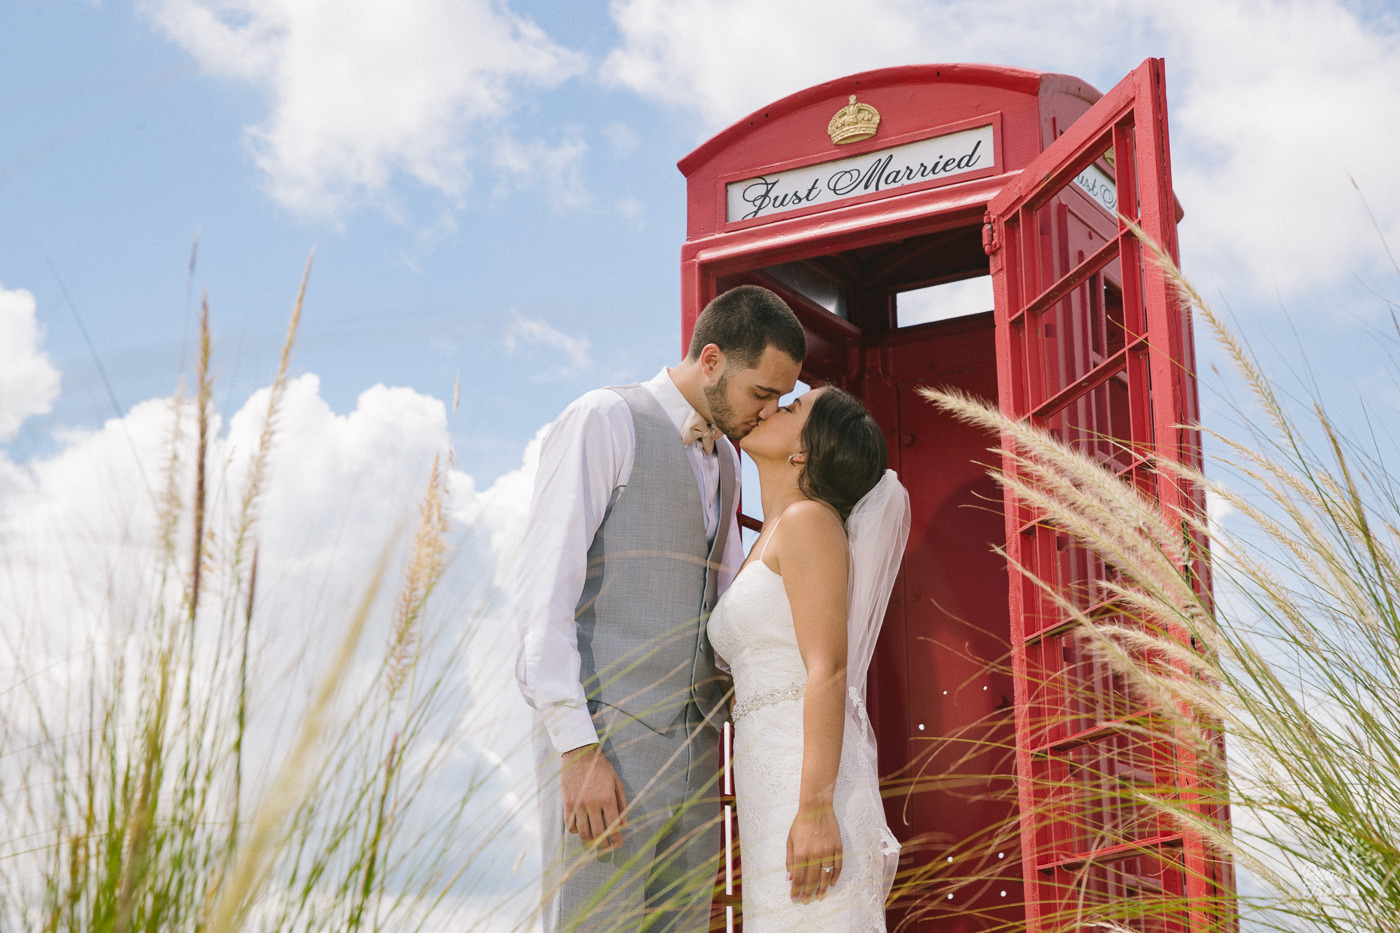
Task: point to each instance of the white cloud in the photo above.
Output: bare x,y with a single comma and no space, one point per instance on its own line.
551,170
721,59
80,551
631,210
28,380
1218,511
525,331
623,138
1273,103
1274,111
361,90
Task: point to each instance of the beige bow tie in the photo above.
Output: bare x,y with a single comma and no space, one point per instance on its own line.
698,429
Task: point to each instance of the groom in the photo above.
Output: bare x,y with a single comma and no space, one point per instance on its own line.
631,535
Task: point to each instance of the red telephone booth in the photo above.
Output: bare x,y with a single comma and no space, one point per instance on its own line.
957,225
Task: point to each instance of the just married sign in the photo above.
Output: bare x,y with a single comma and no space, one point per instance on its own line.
924,160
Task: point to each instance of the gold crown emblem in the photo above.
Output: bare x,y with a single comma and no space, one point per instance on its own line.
853,123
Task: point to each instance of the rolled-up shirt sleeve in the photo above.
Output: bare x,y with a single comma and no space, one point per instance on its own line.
585,460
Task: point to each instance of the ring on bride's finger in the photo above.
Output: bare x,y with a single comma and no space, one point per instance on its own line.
826,868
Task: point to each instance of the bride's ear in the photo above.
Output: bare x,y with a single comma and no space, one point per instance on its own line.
797,459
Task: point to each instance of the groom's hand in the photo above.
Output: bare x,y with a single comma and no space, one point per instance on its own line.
594,801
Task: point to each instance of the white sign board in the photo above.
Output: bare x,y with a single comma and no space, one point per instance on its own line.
941,158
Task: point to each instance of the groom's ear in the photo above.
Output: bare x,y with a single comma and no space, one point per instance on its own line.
711,360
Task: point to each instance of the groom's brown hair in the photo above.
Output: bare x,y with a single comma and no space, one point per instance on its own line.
745,321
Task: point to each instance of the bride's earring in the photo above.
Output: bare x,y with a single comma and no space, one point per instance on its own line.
792,457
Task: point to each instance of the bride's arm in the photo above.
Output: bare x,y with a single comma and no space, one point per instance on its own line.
812,559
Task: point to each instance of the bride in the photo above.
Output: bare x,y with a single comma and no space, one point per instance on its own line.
798,628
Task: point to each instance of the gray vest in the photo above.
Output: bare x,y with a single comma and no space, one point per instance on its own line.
652,581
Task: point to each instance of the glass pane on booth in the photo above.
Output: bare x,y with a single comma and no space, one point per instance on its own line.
1073,285
1096,180
1099,423
1090,223
812,284
944,302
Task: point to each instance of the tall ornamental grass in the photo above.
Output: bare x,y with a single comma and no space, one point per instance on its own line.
1296,655
133,796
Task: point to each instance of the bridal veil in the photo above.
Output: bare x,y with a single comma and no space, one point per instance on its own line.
877,529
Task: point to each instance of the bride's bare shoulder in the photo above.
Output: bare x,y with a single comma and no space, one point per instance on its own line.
809,547
809,523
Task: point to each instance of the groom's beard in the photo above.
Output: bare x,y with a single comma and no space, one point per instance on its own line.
722,413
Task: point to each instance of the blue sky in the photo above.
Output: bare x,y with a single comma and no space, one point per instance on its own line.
122,147
491,193
514,216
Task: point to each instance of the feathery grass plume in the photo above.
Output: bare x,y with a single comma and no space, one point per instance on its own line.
427,561
426,564
1296,657
246,519
257,473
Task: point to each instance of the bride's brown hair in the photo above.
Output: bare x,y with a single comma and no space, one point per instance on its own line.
846,451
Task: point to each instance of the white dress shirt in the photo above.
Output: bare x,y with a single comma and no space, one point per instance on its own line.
585,463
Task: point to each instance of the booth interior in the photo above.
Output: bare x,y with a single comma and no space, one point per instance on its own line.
882,320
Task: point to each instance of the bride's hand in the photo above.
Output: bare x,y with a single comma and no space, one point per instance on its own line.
813,854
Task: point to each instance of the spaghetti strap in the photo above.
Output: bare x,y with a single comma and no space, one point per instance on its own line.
770,537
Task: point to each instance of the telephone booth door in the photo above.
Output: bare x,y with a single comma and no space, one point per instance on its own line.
1008,276
1093,346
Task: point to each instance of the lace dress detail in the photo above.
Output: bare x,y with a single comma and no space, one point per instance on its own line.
752,629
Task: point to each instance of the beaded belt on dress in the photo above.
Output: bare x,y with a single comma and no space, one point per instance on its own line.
759,700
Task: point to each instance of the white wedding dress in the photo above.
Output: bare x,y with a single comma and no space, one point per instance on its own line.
751,628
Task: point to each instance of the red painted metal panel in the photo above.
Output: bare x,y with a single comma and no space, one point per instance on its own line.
949,782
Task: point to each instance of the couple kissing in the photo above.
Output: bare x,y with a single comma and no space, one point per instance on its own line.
636,605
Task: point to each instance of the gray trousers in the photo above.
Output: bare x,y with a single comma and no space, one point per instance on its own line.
663,877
